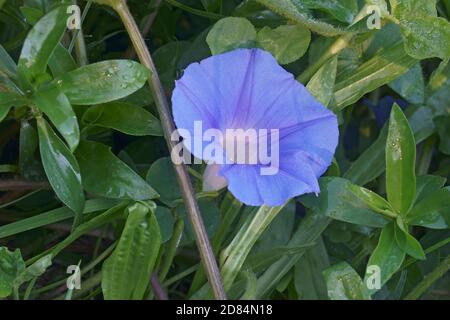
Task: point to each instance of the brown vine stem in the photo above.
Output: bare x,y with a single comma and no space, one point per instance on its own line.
10,185
131,54
157,288
203,244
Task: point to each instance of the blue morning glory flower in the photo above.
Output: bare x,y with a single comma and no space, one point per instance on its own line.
247,89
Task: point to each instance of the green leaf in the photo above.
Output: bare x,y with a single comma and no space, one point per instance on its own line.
211,218
387,256
400,162
40,44
8,67
321,85
433,211
407,242
286,43
61,168
11,265
61,61
279,231
371,163
29,166
13,272
443,128
341,200
123,117
231,33
344,283
384,67
166,222
411,85
106,175
102,82
250,291
308,231
34,270
296,12
426,185
308,278
426,36
161,176
58,109
32,15
127,272
9,100
233,256
413,7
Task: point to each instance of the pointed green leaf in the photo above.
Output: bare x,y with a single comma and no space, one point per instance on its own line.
40,44
341,200
102,82
61,168
9,100
34,270
58,109
61,61
407,242
411,85
433,211
127,272
426,185
29,165
400,162
106,175
124,117
11,266
8,67
308,278
385,66
322,83
387,258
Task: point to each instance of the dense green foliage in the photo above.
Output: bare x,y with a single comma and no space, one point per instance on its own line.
86,179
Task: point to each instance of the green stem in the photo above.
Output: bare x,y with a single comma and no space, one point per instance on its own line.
429,280
168,125
234,255
78,38
30,287
228,211
94,223
85,270
180,276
